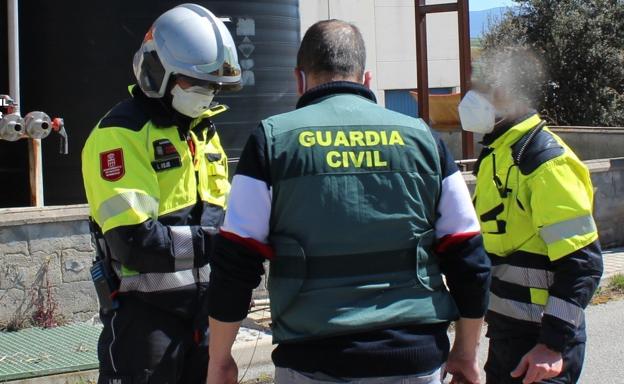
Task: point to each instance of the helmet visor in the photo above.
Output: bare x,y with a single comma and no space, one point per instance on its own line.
228,75
206,87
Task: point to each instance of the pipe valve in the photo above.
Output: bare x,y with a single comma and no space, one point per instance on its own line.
11,127
38,125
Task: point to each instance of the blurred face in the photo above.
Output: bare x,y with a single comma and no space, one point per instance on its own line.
484,108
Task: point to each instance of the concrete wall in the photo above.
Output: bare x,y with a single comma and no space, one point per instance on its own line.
388,27
45,251
54,242
453,139
588,143
593,142
608,180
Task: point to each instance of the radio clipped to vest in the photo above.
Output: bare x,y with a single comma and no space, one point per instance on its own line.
104,279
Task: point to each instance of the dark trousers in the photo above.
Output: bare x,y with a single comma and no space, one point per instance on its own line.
143,344
505,354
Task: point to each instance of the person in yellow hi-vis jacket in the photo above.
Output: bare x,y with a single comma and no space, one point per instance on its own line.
534,200
156,179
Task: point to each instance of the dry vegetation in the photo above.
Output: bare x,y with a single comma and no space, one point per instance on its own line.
612,290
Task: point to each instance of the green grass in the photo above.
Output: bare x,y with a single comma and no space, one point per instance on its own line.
617,283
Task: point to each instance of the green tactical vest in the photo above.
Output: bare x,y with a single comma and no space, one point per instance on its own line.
355,190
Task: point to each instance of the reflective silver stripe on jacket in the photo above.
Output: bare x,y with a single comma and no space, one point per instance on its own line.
127,200
516,309
183,251
569,228
526,277
204,273
155,282
564,310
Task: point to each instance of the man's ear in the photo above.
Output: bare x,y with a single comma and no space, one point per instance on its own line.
368,78
301,82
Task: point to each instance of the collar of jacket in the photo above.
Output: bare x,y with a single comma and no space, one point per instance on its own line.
512,132
326,90
159,110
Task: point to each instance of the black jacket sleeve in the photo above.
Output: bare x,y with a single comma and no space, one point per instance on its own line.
236,270
463,259
576,277
237,265
468,275
154,247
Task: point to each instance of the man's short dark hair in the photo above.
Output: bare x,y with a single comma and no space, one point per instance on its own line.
332,47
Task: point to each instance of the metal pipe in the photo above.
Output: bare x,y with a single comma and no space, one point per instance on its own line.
13,35
34,145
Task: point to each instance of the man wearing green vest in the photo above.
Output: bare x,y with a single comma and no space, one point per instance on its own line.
361,211
534,199
155,176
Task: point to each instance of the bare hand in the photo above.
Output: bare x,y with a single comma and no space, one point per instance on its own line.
464,370
225,372
538,364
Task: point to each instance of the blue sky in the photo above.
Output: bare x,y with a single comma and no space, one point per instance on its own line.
479,5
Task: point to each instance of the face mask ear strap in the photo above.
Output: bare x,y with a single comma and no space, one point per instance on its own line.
303,80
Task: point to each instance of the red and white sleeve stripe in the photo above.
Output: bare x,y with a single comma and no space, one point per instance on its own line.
457,221
248,213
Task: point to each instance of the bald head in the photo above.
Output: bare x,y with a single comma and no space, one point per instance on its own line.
333,49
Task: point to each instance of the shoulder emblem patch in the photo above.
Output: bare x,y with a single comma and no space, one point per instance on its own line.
112,165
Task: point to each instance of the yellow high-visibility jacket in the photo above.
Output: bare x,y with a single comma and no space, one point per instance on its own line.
534,201
157,185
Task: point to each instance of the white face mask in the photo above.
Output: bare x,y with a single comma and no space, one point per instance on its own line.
476,113
190,102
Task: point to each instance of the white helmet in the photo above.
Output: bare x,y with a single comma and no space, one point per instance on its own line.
187,40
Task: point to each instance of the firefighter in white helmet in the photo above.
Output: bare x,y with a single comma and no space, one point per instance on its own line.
156,180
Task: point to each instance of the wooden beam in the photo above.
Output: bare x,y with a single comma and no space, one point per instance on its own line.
465,68
465,63
439,8
422,67
36,172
